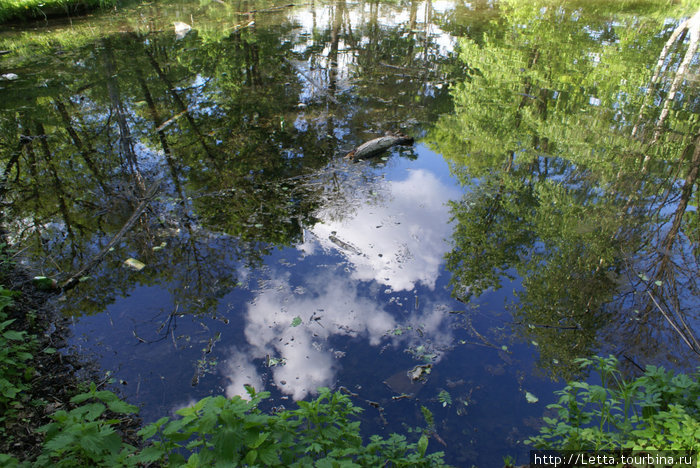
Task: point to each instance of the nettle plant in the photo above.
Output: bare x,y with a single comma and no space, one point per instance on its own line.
16,353
217,431
659,410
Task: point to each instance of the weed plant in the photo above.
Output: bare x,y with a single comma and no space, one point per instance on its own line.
659,410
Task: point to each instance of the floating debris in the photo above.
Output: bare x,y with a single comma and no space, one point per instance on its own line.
531,398
181,29
44,283
134,264
344,245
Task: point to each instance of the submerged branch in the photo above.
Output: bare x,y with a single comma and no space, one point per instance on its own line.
75,278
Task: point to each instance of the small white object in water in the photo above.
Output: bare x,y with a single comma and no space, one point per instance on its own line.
9,76
181,29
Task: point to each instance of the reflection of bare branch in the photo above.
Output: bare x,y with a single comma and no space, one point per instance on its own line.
311,81
75,278
182,107
686,194
685,335
84,149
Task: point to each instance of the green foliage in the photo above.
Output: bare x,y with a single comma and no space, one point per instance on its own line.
32,9
320,432
16,348
217,431
658,411
85,435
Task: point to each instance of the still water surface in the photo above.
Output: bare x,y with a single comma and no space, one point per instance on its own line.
465,274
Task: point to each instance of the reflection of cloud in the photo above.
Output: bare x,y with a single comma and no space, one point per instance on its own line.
241,372
400,242
328,305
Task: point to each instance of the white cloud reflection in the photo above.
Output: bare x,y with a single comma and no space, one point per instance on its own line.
398,242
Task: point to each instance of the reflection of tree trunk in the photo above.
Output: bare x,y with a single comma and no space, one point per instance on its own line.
665,276
412,19
85,150
428,24
686,194
157,121
179,103
126,145
692,27
333,54
252,70
14,160
58,187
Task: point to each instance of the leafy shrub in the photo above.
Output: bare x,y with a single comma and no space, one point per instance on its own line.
658,411
217,431
16,348
83,436
320,433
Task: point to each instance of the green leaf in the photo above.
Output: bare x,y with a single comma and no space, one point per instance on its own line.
250,457
269,456
261,438
122,407
13,335
422,445
296,321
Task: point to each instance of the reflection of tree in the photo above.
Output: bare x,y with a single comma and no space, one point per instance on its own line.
553,193
214,119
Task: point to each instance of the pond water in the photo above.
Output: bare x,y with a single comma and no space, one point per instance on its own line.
189,184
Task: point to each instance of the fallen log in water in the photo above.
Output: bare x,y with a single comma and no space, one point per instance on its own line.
379,145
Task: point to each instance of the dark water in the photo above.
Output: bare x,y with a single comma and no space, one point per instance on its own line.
547,211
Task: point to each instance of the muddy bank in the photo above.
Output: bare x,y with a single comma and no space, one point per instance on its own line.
54,377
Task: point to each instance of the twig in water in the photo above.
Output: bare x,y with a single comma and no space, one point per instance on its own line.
74,279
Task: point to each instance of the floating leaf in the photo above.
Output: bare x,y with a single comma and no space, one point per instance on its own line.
134,264
658,283
531,398
445,398
296,321
504,348
159,247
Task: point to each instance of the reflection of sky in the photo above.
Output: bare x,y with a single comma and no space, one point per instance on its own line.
399,242
329,304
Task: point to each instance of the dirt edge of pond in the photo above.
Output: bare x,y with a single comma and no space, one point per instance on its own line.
57,376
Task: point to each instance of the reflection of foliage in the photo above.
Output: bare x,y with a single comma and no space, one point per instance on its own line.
222,121
553,136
